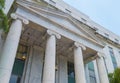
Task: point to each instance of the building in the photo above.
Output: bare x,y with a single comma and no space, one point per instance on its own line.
51,42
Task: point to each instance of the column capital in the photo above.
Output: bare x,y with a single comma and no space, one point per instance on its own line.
16,16
100,54
50,32
77,44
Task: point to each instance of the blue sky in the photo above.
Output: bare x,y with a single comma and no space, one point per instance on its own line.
104,12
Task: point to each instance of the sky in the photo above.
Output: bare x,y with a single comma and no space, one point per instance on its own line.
103,12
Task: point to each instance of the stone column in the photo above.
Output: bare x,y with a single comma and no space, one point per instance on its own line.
101,69
9,51
10,48
50,55
79,64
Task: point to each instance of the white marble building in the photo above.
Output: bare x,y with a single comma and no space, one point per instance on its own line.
51,42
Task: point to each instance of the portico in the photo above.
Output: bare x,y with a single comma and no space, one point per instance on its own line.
51,45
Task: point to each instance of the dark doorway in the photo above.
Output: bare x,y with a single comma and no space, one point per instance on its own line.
71,73
19,64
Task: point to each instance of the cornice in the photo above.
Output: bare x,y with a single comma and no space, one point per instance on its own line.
107,40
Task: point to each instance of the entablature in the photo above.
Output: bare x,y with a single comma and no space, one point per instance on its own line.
53,21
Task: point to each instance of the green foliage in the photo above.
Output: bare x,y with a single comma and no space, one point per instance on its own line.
3,17
115,77
2,3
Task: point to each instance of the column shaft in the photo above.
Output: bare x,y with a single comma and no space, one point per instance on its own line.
79,66
49,65
9,51
102,70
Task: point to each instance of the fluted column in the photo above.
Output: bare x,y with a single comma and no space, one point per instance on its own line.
50,55
101,69
79,64
9,50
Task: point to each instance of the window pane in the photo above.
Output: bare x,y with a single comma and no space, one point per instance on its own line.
91,65
92,80
115,65
113,57
13,79
18,67
91,72
19,64
71,74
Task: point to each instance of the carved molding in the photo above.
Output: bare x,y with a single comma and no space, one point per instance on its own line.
101,55
77,44
16,16
50,32
54,23
37,9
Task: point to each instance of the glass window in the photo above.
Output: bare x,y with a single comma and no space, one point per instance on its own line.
91,72
19,64
106,35
13,79
92,79
91,66
116,40
115,65
84,20
52,2
68,11
113,57
71,74
119,52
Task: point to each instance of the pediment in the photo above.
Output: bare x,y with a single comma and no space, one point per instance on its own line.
62,19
